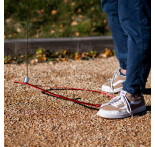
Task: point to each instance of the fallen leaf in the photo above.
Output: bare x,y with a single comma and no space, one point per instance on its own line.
53,12
74,23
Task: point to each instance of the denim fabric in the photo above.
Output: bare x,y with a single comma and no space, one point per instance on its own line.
130,25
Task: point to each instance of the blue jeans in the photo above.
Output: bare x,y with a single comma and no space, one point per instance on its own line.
130,25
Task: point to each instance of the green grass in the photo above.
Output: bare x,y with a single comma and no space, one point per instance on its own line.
54,18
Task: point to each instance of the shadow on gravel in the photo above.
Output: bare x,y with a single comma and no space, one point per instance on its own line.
91,108
148,109
147,91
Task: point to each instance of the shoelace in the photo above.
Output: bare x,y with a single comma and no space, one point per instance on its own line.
111,80
121,97
127,104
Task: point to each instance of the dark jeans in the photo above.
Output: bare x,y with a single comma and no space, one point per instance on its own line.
130,25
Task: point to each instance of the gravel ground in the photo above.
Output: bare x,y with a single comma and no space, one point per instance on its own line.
36,119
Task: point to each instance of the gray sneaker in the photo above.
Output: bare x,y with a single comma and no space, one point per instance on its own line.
122,106
115,84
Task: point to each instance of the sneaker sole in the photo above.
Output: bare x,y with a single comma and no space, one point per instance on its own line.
103,114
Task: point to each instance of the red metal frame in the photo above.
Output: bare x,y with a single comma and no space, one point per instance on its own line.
67,88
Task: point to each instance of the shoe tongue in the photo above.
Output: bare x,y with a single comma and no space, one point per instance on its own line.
123,93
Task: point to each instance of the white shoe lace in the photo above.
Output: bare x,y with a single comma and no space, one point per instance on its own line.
112,80
119,99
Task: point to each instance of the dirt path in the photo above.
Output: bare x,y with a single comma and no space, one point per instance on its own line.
35,119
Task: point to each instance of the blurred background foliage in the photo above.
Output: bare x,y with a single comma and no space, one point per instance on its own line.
54,18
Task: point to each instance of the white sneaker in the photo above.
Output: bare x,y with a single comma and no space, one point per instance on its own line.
122,106
115,84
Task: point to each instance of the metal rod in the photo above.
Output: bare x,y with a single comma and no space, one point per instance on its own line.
27,36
